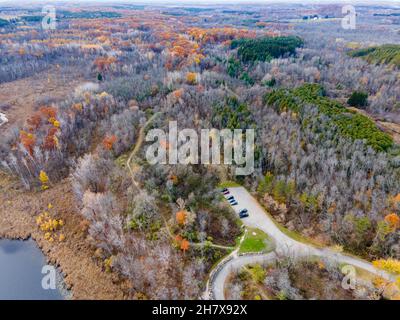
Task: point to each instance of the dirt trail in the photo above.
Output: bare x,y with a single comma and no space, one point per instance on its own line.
133,166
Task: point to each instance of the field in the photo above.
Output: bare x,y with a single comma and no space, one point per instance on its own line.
21,98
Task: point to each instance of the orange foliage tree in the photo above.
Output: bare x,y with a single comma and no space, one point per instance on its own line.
28,140
178,93
393,221
49,112
396,198
109,141
184,245
35,121
103,63
182,213
181,217
50,142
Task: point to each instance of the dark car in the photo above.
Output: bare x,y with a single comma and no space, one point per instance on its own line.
233,203
243,211
225,190
243,215
231,198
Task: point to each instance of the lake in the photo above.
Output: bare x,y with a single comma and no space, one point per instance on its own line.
21,275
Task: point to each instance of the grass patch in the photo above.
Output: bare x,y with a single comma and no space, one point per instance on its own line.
228,184
256,241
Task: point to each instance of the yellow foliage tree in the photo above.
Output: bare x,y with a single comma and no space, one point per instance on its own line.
108,264
44,179
191,78
389,265
50,227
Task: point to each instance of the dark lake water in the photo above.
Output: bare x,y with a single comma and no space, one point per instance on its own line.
21,275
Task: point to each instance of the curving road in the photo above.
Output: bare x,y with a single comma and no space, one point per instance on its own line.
285,245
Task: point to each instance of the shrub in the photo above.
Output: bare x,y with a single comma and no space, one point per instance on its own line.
257,273
234,68
389,265
358,99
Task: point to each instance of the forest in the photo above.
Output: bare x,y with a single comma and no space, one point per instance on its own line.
324,103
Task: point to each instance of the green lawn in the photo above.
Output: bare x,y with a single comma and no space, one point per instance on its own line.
228,184
256,241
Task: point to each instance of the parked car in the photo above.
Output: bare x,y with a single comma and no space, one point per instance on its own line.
230,198
244,211
224,190
234,203
243,215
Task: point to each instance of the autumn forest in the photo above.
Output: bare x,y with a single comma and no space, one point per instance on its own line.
79,95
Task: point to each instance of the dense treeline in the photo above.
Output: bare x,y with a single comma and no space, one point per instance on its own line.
266,49
349,123
4,23
385,54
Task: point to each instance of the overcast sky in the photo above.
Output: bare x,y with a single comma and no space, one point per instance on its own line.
204,2
194,2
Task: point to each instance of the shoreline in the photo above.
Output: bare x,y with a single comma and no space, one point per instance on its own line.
83,274
62,288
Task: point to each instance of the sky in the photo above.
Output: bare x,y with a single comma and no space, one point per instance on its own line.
198,2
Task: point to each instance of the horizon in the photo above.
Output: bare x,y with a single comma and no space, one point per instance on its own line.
209,2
